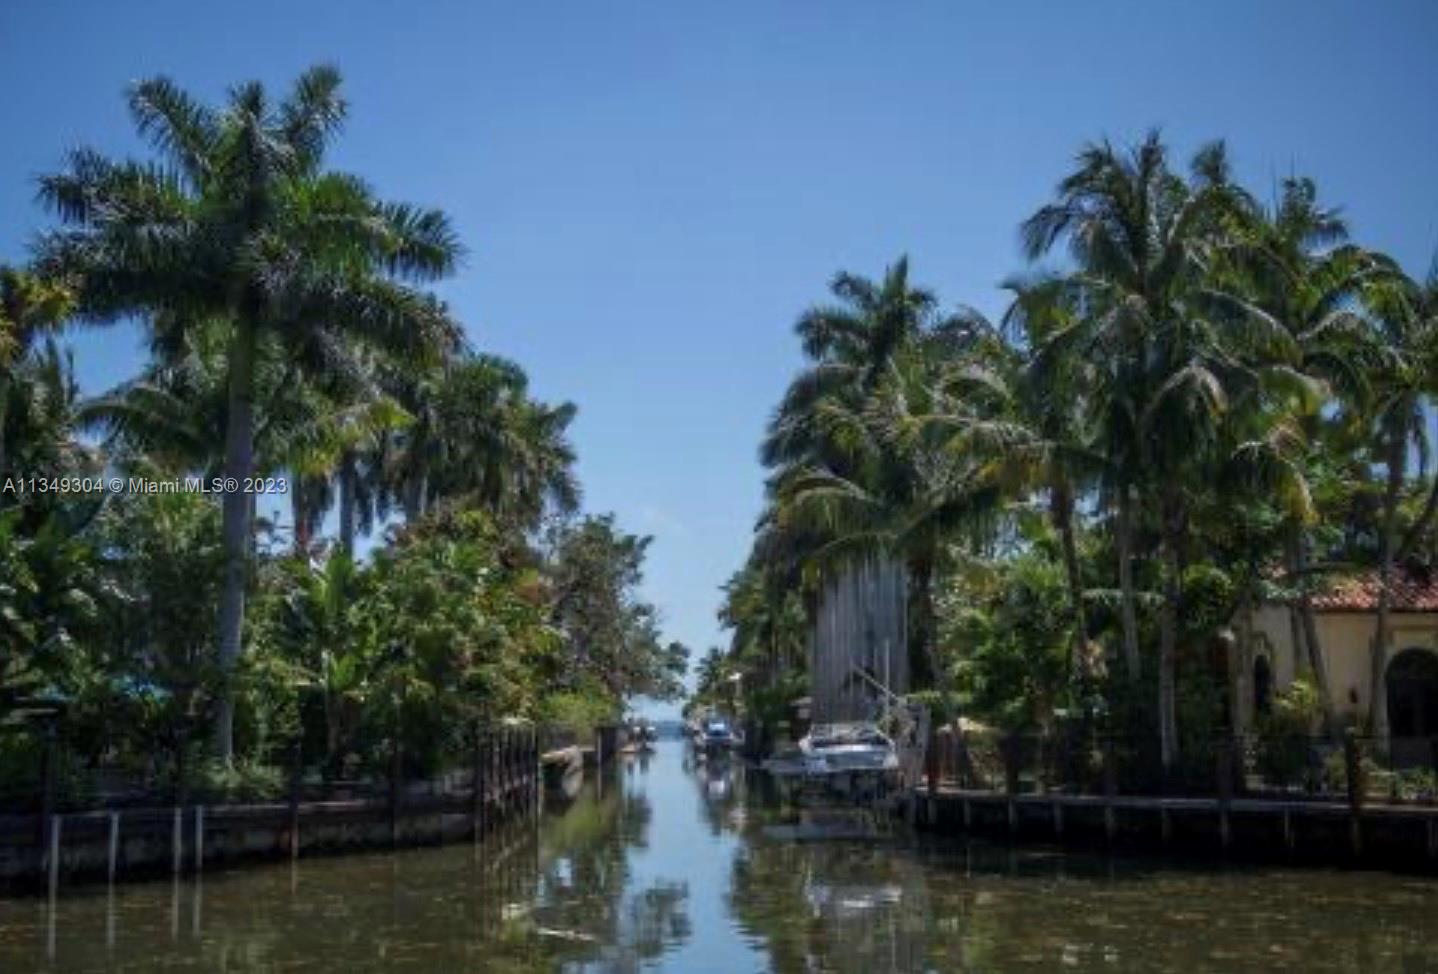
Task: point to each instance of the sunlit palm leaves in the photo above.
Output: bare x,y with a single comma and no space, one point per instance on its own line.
235,223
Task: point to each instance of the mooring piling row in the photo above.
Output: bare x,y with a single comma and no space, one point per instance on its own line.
505,783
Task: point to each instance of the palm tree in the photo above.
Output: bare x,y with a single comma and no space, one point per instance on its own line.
848,445
29,307
50,587
478,436
237,225
1295,266
1141,237
1406,315
317,627
1032,420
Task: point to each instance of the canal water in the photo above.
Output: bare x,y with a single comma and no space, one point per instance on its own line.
676,866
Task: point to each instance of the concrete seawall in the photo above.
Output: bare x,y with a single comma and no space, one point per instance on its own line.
1331,833
138,843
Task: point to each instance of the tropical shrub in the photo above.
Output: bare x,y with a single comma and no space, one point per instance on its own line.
1285,734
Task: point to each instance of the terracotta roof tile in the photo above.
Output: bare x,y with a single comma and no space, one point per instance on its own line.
1412,592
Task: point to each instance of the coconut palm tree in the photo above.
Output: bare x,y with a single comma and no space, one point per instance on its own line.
478,436
1295,266
1406,315
1142,238
852,460
237,225
1024,409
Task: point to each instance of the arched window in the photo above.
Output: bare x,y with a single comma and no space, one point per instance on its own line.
1413,694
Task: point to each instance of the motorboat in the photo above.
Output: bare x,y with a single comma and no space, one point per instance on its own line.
639,736
837,749
718,735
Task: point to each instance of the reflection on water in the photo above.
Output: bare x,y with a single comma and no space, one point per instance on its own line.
673,864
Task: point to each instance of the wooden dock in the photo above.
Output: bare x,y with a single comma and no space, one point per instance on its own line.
1388,835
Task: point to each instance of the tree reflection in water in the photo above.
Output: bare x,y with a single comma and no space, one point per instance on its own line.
587,916
835,890
691,867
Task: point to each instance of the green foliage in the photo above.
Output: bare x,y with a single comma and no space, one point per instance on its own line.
576,711
612,637
1285,733
1209,391
1208,601
266,279
1415,784
1009,638
241,780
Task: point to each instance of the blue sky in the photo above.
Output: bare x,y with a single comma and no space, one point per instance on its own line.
651,192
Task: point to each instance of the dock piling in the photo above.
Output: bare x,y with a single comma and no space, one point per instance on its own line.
296,776
476,787
1225,792
54,856
1110,789
177,843
1356,786
199,839
114,857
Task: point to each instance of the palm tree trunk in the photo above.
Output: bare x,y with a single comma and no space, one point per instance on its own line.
1316,660
1378,697
299,512
413,500
1168,631
1293,556
1128,598
1061,505
332,732
235,512
1240,663
347,503
921,612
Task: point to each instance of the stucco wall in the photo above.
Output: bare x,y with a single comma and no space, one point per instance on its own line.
1346,638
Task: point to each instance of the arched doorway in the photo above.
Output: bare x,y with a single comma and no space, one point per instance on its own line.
1262,687
1412,684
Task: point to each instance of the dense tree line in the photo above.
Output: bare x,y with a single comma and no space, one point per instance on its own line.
1195,400
292,337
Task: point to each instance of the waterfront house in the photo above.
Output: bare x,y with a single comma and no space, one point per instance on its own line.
1346,621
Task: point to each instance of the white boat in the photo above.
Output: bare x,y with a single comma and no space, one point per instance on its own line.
719,735
835,749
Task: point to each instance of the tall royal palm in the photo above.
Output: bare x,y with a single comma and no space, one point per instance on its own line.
237,224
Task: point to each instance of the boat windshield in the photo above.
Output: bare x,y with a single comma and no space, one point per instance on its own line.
847,735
